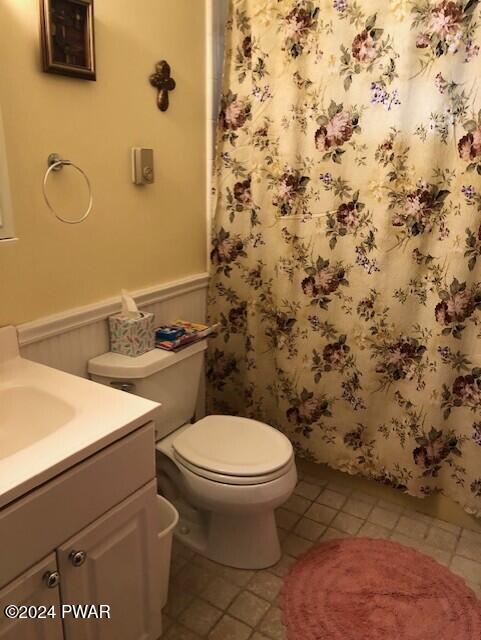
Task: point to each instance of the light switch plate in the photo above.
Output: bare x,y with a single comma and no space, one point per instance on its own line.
143,166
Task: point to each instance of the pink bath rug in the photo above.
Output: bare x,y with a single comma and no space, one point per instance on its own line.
363,589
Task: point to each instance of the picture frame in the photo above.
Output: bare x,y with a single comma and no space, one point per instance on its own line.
67,38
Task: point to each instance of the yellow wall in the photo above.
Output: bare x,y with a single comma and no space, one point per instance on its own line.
135,236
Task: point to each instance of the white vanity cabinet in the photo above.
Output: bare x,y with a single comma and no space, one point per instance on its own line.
96,528
32,589
113,562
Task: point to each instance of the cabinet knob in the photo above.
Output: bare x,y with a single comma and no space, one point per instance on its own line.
77,558
52,579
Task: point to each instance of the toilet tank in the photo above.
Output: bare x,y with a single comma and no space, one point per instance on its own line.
170,378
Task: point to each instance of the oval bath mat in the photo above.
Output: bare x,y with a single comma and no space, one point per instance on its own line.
363,589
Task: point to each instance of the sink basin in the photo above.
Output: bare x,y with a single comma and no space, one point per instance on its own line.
51,420
27,415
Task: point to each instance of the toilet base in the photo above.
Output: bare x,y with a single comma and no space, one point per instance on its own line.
247,542
231,524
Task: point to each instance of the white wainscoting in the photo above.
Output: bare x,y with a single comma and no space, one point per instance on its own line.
66,341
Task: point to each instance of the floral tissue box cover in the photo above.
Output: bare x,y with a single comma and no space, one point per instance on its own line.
132,336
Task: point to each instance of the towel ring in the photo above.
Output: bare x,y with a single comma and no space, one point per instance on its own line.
57,163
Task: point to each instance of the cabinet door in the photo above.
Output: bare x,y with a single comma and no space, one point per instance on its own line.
117,560
31,589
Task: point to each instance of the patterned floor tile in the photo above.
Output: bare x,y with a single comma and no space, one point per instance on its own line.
220,593
178,632
364,497
442,539
412,528
314,480
272,626
333,534
240,577
331,499
390,506
179,599
200,617
418,516
286,519
307,490
297,504
383,517
249,608
295,546
468,569
321,513
265,585
407,541
230,629
340,487
370,530
356,507
469,546
348,524
281,569
208,601
194,578
309,529
446,526
441,555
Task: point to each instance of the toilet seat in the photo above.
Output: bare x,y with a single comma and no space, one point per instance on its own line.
233,450
234,480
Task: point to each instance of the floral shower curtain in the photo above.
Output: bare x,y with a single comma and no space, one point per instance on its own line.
346,254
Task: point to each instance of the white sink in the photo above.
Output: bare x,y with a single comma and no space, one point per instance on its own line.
51,420
27,415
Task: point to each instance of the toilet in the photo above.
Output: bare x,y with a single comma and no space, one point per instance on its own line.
225,475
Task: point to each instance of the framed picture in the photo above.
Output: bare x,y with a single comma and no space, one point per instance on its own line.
67,33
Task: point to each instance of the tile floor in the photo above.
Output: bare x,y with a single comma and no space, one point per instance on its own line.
211,602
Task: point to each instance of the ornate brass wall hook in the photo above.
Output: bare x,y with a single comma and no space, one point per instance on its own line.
163,82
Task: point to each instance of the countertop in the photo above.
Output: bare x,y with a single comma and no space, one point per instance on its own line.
98,417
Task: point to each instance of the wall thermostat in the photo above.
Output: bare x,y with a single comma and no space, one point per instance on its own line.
142,165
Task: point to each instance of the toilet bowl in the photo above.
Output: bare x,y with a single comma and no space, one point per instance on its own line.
237,472
226,475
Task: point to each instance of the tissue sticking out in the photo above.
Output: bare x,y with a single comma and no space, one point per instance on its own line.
129,308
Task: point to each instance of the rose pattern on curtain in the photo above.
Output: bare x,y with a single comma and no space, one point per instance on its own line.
346,248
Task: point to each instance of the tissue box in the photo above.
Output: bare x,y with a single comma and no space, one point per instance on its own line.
132,337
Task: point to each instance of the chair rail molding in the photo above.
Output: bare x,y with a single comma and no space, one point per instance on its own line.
67,340
53,325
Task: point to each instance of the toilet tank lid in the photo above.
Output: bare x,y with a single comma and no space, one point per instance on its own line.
118,366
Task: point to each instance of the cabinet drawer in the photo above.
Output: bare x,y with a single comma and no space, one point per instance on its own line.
33,526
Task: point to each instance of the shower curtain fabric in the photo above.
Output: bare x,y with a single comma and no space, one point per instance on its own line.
346,255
